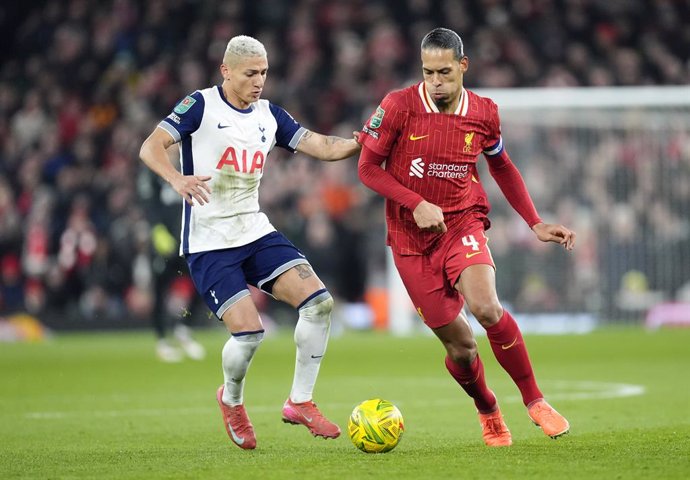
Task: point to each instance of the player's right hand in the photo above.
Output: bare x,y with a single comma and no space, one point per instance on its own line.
192,187
429,217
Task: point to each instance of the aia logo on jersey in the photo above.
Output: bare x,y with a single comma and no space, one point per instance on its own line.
230,159
468,142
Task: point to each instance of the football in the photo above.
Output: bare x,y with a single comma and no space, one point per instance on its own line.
375,426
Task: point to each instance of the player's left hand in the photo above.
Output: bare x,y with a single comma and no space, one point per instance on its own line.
358,137
549,232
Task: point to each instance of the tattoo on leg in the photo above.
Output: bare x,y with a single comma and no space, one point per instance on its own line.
303,271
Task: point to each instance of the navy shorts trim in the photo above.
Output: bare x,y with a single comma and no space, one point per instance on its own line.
279,271
231,301
222,276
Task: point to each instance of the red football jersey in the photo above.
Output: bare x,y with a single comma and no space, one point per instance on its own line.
435,155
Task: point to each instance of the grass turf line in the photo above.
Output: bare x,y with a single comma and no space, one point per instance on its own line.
101,405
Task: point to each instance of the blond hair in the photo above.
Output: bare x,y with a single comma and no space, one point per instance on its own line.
243,46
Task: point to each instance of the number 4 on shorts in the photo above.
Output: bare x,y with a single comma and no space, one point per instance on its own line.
470,241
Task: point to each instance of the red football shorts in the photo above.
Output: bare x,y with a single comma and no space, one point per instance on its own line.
429,279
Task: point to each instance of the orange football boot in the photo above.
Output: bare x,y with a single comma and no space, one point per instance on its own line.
308,415
494,430
548,419
237,424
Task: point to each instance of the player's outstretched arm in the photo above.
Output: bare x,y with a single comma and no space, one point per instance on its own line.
327,147
548,232
153,154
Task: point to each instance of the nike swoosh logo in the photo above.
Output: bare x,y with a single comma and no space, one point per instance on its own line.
470,255
238,440
316,356
506,347
222,126
414,139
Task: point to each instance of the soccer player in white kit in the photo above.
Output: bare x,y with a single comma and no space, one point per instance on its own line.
225,134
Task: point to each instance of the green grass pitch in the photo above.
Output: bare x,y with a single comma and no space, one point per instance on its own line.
101,406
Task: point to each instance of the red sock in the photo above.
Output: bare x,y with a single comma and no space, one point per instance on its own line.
472,381
510,351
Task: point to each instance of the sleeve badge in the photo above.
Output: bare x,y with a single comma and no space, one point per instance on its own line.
184,105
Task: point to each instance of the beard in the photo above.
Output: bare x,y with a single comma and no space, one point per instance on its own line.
442,102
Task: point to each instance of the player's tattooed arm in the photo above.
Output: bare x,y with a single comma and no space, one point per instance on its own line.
328,147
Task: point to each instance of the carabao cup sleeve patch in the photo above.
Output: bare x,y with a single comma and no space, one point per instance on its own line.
377,118
184,105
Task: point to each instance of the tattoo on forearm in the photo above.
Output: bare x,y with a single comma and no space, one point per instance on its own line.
303,271
307,135
330,140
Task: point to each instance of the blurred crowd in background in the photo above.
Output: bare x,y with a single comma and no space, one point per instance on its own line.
89,236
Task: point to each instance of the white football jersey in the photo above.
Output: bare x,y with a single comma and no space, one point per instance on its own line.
231,146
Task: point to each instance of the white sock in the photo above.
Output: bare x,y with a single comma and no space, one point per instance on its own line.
237,356
311,338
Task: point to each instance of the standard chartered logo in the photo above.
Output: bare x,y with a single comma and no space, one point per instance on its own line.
439,170
417,168
448,170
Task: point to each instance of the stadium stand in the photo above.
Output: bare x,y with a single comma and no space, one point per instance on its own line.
85,229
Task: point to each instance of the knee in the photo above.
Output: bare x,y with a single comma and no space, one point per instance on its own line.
323,305
318,308
326,307
487,313
462,353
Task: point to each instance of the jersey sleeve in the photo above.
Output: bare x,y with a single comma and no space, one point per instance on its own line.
379,180
493,144
289,131
185,117
383,127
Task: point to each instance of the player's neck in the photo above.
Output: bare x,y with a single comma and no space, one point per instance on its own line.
450,107
233,99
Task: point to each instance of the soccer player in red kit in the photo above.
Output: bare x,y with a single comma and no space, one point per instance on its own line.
430,135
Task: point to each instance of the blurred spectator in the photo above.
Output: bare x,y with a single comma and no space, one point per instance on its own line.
176,304
82,83
10,218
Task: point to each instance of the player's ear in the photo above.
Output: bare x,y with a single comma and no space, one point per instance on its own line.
464,64
224,71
